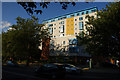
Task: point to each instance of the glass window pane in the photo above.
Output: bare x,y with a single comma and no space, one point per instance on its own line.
80,25
81,18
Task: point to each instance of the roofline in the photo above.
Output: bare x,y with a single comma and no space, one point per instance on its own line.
71,13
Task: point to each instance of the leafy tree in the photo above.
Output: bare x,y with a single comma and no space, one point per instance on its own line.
104,32
24,38
34,7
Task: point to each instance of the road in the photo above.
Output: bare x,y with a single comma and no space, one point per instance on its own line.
18,73
24,73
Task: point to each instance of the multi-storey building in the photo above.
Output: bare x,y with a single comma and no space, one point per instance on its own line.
63,30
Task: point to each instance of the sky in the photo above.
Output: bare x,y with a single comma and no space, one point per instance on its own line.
11,10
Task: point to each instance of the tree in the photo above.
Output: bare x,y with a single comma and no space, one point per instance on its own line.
104,32
34,7
24,38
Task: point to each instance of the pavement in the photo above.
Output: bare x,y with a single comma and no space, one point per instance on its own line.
101,70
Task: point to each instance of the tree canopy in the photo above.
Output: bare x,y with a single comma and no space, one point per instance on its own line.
104,32
24,38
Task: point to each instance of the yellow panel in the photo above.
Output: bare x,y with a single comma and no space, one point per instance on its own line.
70,26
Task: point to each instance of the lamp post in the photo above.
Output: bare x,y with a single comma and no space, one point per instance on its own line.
90,63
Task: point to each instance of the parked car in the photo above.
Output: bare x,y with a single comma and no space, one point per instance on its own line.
52,71
109,65
10,63
72,69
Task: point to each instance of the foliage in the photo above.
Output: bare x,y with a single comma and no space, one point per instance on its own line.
81,39
23,39
34,7
104,32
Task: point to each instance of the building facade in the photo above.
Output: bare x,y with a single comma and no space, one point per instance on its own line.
63,30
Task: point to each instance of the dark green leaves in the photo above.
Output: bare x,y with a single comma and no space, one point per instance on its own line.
24,38
34,7
104,38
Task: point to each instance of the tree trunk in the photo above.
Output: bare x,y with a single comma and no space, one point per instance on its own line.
28,61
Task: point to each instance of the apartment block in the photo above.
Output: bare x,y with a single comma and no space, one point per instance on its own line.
63,30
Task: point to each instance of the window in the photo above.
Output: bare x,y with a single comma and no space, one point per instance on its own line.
71,24
61,35
63,42
72,29
75,28
49,25
54,24
71,20
68,29
52,20
72,15
80,31
85,17
72,41
51,30
75,24
93,10
80,25
59,18
87,12
51,36
82,13
77,14
62,22
75,33
80,18
62,29
54,28
64,17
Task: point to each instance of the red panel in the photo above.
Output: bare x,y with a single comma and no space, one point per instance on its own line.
45,49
